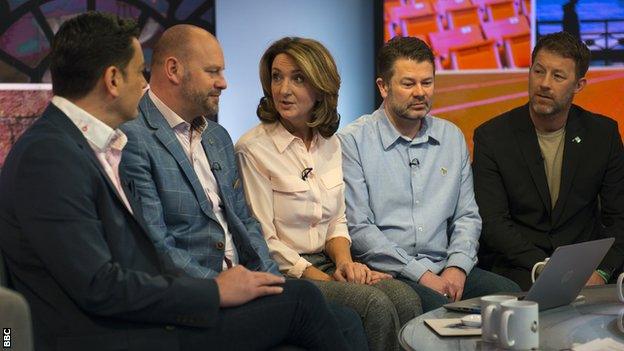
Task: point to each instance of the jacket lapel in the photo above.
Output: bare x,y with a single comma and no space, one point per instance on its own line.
573,147
529,147
217,163
96,162
66,124
167,138
131,194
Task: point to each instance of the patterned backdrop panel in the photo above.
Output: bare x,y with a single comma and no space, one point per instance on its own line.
26,31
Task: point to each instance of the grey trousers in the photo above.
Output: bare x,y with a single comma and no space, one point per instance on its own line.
384,307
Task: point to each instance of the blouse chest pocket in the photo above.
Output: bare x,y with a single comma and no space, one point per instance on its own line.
289,184
332,178
290,197
333,195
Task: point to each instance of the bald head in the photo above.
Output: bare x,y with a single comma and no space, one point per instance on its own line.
180,41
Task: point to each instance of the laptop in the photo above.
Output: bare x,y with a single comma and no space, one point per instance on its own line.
563,277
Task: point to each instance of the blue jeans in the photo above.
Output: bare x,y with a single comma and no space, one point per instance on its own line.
478,283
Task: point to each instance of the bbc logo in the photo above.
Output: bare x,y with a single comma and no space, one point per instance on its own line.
6,338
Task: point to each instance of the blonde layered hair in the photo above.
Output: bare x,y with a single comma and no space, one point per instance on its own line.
318,67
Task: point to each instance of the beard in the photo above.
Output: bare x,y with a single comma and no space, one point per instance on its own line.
404,111
549,107
200,101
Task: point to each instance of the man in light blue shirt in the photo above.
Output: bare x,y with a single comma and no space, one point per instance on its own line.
411,209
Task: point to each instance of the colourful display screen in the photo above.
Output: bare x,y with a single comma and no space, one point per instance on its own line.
483,47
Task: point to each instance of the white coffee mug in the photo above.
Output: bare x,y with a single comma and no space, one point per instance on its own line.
538,268
519,326
490,312
619,287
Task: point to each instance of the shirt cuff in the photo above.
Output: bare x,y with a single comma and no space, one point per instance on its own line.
339,232
462,261
296,271
413,270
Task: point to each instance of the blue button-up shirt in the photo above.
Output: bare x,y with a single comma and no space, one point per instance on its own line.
410,203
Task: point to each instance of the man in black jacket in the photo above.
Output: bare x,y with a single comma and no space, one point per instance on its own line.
549,173
78,249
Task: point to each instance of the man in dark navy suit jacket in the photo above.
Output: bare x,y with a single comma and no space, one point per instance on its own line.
75,242
549,173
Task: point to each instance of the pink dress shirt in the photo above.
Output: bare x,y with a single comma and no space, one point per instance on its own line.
298,216
107,143
189,137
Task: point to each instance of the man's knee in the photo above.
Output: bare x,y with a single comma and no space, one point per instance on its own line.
508,285
492,283
520,276
303,291
500,284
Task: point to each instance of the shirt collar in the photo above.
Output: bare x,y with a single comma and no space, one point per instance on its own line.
174,120
97,133
282,138
429,131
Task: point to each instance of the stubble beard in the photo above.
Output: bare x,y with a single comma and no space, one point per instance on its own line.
403,112
201,102
549,110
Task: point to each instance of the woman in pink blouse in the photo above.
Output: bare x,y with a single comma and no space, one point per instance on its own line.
291,165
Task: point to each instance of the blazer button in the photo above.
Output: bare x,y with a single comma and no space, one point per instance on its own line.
220,245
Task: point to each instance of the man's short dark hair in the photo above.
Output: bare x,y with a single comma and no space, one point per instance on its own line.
410,48
84,47
565,45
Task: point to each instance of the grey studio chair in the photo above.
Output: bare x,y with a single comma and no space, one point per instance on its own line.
15,321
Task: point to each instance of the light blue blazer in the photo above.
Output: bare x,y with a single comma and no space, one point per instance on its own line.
182,224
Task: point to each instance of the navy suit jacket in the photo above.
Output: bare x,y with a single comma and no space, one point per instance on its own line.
520,226
174,204
84,263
